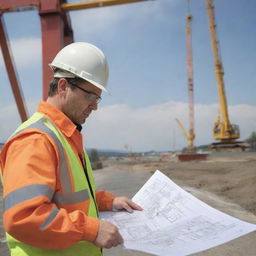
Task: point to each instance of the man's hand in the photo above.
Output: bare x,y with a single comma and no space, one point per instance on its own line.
108,236
122,202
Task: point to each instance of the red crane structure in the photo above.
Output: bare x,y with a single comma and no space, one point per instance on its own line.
56,33
191,135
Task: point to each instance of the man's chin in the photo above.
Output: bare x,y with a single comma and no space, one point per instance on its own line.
82,121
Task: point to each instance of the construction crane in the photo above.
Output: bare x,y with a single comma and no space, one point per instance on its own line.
189,139
129,150
191,135
223,130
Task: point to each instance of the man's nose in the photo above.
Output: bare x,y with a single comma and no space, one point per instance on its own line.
93,106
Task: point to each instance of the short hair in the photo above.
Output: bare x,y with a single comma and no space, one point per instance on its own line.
53,87
54,84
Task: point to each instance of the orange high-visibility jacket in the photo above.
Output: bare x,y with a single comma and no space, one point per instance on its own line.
30,158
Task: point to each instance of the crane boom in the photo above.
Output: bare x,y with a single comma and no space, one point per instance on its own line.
189,139
28,5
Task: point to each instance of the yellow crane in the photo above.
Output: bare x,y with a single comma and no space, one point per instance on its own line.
223,130
189,138
129,150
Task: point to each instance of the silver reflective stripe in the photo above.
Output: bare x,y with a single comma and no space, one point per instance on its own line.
70,198
25,193
64,172
67,196
50,218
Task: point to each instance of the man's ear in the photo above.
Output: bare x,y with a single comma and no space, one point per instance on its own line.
62,86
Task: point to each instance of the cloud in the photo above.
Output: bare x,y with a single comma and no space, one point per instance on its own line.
93,22
154,128
146,128
10,119
97,21
26,52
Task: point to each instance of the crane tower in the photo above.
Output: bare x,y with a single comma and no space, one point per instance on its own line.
191,135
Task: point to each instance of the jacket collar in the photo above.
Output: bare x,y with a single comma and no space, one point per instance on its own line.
63,123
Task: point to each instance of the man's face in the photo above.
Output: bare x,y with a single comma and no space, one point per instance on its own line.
79,104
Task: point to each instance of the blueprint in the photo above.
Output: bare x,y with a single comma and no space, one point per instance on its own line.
173,221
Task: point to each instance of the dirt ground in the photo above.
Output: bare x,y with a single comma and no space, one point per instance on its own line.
231,176
228,175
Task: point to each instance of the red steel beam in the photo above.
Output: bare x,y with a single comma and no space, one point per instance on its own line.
17,5
55,25
56,33
10,67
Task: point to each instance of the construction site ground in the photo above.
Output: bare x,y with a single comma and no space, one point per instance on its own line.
225,181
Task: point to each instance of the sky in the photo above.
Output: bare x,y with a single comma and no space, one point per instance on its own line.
146,51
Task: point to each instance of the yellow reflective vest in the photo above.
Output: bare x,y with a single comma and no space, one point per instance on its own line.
77,193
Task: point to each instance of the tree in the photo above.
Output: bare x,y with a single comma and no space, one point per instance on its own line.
252,141
95,160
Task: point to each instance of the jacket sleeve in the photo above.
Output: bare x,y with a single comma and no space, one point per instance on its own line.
104,200
30,171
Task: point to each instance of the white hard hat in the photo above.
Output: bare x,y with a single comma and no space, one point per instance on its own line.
82,60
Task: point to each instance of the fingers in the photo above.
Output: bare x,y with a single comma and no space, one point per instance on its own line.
135,206
120,203
119,238
108,236
117,241
128,208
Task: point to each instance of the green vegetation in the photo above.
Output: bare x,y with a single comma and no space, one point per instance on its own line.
252,141
95,160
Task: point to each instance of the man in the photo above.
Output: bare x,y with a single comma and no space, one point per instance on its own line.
50,204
